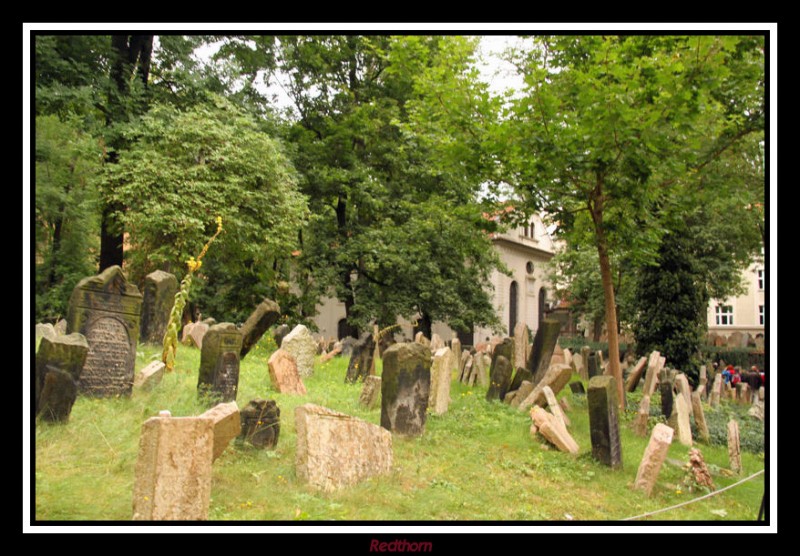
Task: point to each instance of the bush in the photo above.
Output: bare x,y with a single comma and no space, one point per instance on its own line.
738,357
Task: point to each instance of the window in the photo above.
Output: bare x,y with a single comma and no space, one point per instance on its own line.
760,275
512,308
761,315
533,230
525,231
529,267
724,314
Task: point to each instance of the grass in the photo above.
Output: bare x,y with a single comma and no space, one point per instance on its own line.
475,462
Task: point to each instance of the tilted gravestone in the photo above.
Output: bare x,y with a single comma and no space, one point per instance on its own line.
361,360
500,379
604,421
265,315
283,373
520,376
584,371
158,297
149,377
59,363
521,341
654,456
506,349
280,333
303,348
544,342
106,310
219,362
261,423
44,330
405,388
455,347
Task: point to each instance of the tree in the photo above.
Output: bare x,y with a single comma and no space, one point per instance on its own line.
614,125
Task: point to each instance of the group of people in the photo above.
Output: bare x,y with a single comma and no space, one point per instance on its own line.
755,378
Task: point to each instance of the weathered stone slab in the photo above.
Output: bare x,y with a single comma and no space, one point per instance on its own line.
555,407
642,417
335,450
544,342
466,371
158,297
261,423
173,469
593,367
149,377
758,409
361,360
436,343
734,449
194,332
371,393
420,338
504,349
700,416
577,388
227,425
219,362
521,375
439,397
521,345
667,398
654,366
716,390
584,371
522,393
682,385
60,327
557,377
263,316
568,358
64,357
283,373
301,345
44,331
480,373
455,347
330,355
654,456
549,427
636,375
684,429
280,333
465,356
500,379
604,421
405,388
106,310
558,356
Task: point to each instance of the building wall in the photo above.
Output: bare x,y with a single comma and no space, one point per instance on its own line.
745,307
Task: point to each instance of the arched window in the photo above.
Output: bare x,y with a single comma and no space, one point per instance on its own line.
512,308
532,230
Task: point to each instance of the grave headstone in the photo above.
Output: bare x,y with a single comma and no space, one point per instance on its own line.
106,310
421,339
500,379
149,377
466,371
699,470
280,333
667,398
549,427
734,449
654,456
558,356
227,425
699,417
636,375
361,360
158,297
60,327
604,421
521,375
301,345
716,390
584,370
737,340
521,347
593,368
194,333
682,385
265,315
405,388
577,388
544,342
335,450
439,397
59,363
505,349
219,362
555,407
568,358
283,373
44,331
173,469
455,347
371,393
684,429
557,377
436,343
651,375
642,417
261,423
757,410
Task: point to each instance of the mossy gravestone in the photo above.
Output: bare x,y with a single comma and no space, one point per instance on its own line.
405,388
265,315
158,298
261,423
219,362
361,360
106,310
604,421
544,342
500,379
59,363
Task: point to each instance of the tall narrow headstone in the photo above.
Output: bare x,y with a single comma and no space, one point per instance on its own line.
361,360
666,398
651,375
265,315
436,343
682,385
59,363
466,371
106,310
261,423
173,469
734,449
500,379
455,347
149,377
405,388
604,421
544,342
684,429
716,390
521,342
654,456
584,371
504,349
699,416
636,375
158,297
371,392
439,397
593,368
219,362
642,417
300,343
465,355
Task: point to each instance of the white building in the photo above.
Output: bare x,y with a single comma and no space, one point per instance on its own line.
744,313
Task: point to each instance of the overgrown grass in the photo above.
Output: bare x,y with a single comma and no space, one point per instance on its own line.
476,462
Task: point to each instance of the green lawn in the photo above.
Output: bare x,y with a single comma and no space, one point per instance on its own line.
476,462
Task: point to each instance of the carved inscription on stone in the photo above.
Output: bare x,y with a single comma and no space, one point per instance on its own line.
108,368
227,378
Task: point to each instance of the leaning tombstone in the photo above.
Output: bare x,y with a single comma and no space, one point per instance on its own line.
301,345
173,469
700,416
544,342
158,296
651,375
439,397
548,426
455,347
371,392
405,388
260,423
667,399
684,429
219,362
716,390
361,360
521,375
106,310
500,379
265,315
684,390
227,425
593,368
196,333
557,377
466,371
584,370
505,349
60,327
44,330
654,456
149,377
642,417
283,373
636,375
59,363
521,345
734,449
436,343
604,421
555,407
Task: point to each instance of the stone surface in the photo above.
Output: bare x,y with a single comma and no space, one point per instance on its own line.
301,345
44,331
604,421
585,352
654,366
667,398
173,469
568,358
642,417
158,297
439,397
361,360
500,379
227,425
558,356
263,316
557,377
64,357
195,332
683,388
480,373
219,362
280,333
436,343
734,449
593,368
331,354
465,356
405,388
684,429
757,411
261,423
421,339
636,375
521,375
716,391
149,377
699,416
701,476
521,345
106,310
455,348
555,407
335,450
549,427
654,456
577,388
466,371
522,394
60,327
283,373
504,349
371,392
544,342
